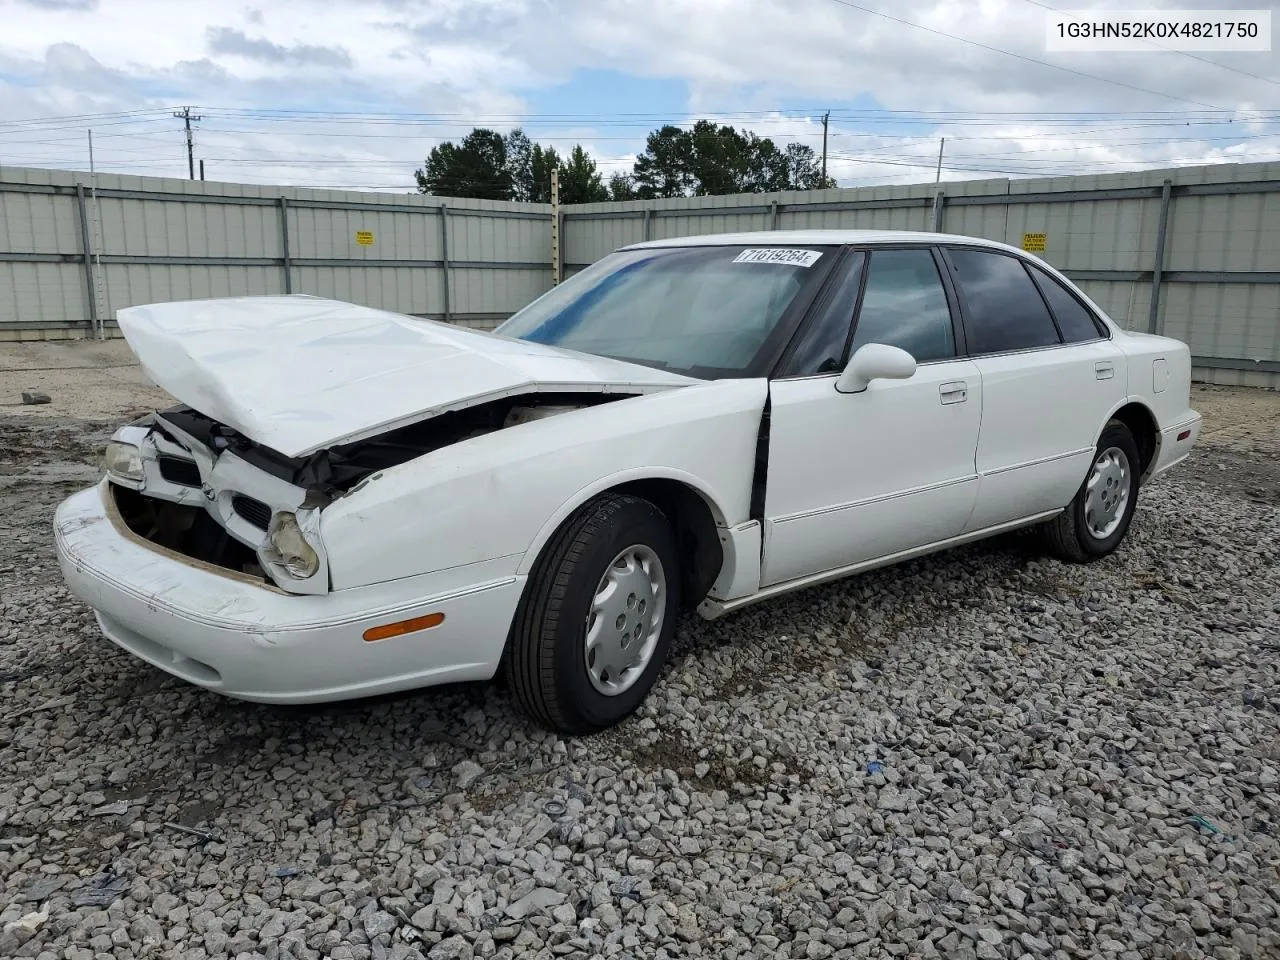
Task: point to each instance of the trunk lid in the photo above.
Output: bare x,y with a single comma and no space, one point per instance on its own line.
298,374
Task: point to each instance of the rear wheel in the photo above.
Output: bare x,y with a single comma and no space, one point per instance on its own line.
1096,521
593,628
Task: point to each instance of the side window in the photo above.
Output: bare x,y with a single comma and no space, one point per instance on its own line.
905,305
822,349
1003,308
1075,320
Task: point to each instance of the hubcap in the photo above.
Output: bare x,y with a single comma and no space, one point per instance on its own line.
1106,493
625,620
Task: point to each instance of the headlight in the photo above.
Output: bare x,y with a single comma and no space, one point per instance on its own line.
124,461
287,547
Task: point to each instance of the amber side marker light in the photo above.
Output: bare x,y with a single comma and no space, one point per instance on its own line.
389,630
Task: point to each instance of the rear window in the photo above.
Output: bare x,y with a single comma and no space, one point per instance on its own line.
1075,320
1003,309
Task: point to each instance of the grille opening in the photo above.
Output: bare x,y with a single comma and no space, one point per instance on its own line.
180,471
189,531
255,511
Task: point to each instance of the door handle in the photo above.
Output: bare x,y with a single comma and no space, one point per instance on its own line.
1104,370
957,391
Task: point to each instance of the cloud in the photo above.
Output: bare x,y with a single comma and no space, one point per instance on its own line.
772,65
62,4
236,43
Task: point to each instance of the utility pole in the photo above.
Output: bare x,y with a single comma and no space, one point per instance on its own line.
825,118
555,226
937,176
185,116
202,169
101,300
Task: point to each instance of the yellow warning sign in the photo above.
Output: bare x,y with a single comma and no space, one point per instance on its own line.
365,238
1034,242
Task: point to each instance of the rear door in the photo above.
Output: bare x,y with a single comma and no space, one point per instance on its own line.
857,477
1049,381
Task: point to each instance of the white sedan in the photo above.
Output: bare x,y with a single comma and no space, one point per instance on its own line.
351,502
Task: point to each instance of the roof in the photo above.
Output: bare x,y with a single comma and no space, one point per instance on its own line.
801,237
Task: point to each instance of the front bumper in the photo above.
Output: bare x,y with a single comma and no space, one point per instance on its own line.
249,640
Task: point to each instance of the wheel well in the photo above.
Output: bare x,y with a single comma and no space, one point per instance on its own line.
701,553
1143,427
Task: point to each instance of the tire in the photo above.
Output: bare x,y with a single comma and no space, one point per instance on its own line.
552,675
1098,517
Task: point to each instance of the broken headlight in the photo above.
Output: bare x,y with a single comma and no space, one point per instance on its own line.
123,461
287,547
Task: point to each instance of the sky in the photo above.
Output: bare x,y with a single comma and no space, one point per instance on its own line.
355,94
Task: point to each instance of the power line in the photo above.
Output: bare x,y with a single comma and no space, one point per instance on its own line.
79,130
851,115
586,138
1184,53
290,159
813,115
804,112
908,159
926,163
1135,143
1055,133
98,119
1019,56
882,138
243,153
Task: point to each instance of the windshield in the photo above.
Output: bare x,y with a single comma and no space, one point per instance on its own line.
703,311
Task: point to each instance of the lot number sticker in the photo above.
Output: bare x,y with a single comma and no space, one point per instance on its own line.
1034,242
364,238
794,258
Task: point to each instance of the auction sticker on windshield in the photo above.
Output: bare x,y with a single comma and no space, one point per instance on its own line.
795,258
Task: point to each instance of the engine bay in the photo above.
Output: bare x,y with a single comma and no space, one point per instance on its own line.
338,470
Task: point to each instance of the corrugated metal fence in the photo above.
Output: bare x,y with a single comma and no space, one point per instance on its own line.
1192,252
68,256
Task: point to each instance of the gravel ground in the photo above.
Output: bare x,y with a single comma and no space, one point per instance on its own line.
83,378
984,754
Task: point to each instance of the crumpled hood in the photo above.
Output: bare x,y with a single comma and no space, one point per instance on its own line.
298,373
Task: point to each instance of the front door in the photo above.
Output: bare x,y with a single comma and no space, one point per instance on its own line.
857,477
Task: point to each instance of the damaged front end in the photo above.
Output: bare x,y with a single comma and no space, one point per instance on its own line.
177,481
185,482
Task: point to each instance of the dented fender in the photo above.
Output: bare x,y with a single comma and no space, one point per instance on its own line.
503,494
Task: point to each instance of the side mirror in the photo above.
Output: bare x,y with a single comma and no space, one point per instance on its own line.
875,361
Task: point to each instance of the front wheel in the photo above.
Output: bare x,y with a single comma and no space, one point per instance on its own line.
593,628
1098,518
